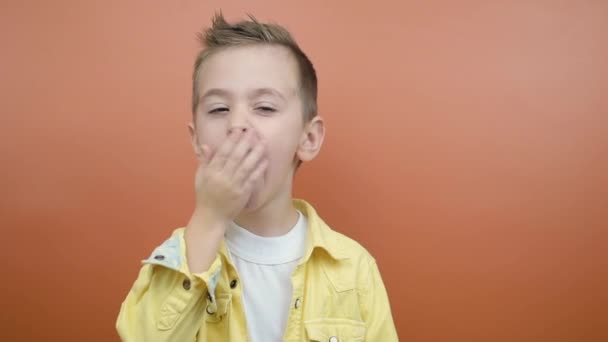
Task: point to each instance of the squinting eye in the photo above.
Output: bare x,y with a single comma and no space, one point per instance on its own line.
218,110
267,109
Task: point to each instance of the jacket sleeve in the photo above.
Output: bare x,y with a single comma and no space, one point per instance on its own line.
166,302
376,310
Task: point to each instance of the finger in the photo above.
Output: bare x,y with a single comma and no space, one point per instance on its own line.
256,175
225,150
240,151
205,154
250,162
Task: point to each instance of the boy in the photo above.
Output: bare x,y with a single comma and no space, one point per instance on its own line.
253,264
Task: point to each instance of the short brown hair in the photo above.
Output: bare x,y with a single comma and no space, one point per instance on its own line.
222,34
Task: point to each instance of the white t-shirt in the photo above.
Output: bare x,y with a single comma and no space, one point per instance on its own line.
265,266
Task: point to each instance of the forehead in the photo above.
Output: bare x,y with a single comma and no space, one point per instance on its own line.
249,67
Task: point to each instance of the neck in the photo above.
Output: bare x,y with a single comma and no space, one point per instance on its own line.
274,218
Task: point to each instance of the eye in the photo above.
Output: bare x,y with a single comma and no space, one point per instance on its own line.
266,109
218,110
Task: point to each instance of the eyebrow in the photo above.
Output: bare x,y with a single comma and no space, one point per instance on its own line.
255,93
214,92
267,91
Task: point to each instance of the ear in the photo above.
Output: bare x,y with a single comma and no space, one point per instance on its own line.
194,140
311,139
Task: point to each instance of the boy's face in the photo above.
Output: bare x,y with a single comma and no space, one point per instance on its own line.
254,87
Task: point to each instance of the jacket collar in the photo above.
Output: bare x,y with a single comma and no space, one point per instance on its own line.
320,235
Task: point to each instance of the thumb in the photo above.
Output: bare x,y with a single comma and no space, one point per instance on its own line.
205,154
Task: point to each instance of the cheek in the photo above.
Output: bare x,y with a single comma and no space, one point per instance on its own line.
210,136
281,157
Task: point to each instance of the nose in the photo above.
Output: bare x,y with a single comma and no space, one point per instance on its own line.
236,129
239,120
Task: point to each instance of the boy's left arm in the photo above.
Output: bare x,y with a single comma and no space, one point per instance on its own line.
376,310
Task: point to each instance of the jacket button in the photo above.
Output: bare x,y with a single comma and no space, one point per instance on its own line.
298,303
210,310
159,257
186,284
333,339
233,283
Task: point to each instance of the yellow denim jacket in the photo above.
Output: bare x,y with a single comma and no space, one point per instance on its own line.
338,295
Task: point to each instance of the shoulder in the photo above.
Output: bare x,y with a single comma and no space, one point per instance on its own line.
336,244
348,247
350,264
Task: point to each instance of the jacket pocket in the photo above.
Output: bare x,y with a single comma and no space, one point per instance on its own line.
172,309
335,330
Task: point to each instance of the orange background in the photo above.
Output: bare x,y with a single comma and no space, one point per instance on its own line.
467,149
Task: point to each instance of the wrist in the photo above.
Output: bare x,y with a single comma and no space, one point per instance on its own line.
203,217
